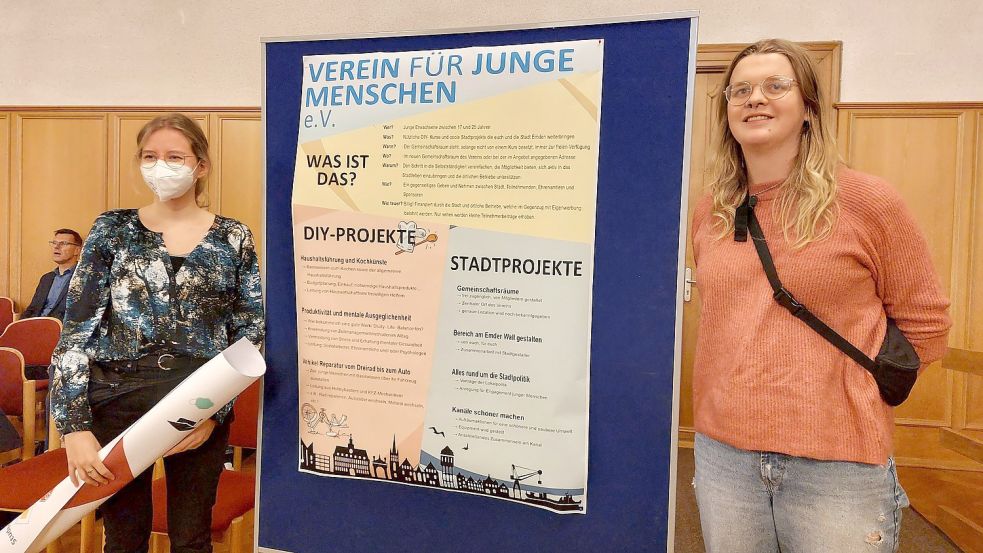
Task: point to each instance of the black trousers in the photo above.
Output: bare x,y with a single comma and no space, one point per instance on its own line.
192,479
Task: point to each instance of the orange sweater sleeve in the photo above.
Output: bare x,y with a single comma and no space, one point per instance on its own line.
902,266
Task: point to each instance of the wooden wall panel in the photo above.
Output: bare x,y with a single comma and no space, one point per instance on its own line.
66,166
974,401
928,152
58,180
237,151
924,167
5,224
974,384
127,186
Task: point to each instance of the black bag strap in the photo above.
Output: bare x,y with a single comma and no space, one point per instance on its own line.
783,296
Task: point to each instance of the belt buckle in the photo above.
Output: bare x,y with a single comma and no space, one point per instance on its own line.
160,361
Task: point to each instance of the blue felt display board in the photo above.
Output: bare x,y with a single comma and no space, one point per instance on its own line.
647,67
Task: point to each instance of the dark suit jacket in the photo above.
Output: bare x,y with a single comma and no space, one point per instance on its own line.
41,294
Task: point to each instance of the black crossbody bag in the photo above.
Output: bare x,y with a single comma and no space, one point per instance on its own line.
895,368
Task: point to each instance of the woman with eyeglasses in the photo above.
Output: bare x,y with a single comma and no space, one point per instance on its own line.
794,441
158,291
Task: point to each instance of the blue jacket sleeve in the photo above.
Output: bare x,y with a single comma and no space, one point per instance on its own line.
247,320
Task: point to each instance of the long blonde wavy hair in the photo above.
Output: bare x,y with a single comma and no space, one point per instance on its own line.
806,209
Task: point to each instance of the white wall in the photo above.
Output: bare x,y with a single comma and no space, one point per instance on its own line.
207,52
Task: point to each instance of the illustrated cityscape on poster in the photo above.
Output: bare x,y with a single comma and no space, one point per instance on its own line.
350,461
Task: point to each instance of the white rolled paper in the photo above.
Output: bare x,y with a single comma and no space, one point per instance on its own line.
194,400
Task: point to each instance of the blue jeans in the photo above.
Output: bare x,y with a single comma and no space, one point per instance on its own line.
760,502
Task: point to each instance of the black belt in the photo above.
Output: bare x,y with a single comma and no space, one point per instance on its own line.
169,362
154,366
112,379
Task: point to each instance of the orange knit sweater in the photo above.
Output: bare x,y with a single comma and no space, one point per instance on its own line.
765,381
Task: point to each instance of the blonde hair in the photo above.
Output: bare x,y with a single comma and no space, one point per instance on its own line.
196,137
806,209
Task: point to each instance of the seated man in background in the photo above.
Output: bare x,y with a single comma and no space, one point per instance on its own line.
49,297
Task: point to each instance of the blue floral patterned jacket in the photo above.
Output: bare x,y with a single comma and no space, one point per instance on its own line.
125,301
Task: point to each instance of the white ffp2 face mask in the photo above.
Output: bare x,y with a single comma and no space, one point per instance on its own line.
168,183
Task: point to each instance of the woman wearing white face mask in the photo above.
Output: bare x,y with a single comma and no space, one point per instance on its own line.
158,291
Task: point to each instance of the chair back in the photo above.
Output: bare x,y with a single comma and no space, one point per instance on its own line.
964,360
6,312
11,382
11,376
242,432
35,338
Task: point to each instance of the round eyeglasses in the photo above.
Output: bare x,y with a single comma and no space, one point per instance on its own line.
773,88
173,160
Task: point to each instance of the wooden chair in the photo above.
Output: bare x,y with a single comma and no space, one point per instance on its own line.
967,444
6,312
19,398
963,523
236,490
23,483
35,338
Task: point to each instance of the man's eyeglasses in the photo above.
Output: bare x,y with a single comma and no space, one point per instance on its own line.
773,88
60,244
